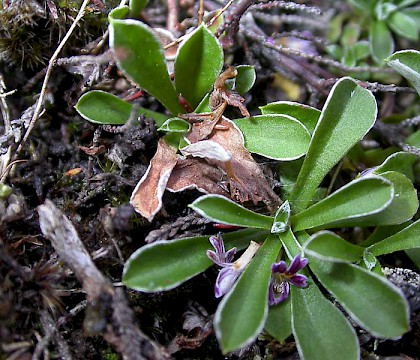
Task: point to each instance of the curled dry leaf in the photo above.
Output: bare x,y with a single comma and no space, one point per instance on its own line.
223,166
220,163
147,196
247,181
198,174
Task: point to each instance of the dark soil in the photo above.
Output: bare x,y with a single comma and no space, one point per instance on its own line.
89,172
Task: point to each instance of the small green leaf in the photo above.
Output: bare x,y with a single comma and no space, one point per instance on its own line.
349,57
245,79
366,5
404,204
101,107
414,139
279,321
175,125
307,115
140,55
381,42
321,331
348,114
163,265
374,303
220,209
348,206
361,50
404,26
119,13
136,6
384,9
408,238
281,219
402,162
198,63
241,314
279,137
350,35
407,63
326,245
414,14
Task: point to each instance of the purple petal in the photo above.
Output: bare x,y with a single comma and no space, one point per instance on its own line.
296,265
217,243
276,296
225,280
299,280
215,258
279,267
230,254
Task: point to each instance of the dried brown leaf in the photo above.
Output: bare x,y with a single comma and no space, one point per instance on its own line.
147,196
197,174
246,179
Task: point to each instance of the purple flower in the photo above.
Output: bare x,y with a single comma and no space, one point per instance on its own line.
220,256
282,276
229,271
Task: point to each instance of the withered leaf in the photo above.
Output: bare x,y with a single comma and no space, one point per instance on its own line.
246,179
197,174
147,196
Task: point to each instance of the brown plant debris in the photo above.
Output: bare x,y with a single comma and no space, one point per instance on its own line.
215,162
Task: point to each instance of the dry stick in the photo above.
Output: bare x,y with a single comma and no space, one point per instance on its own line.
181,38
4,107
316,58
47,77
220,13
108,311
200,12
172,20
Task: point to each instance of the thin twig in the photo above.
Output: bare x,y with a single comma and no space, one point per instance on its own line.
285,5
220,13
4,107
172,20
316,58
50,67
200,12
